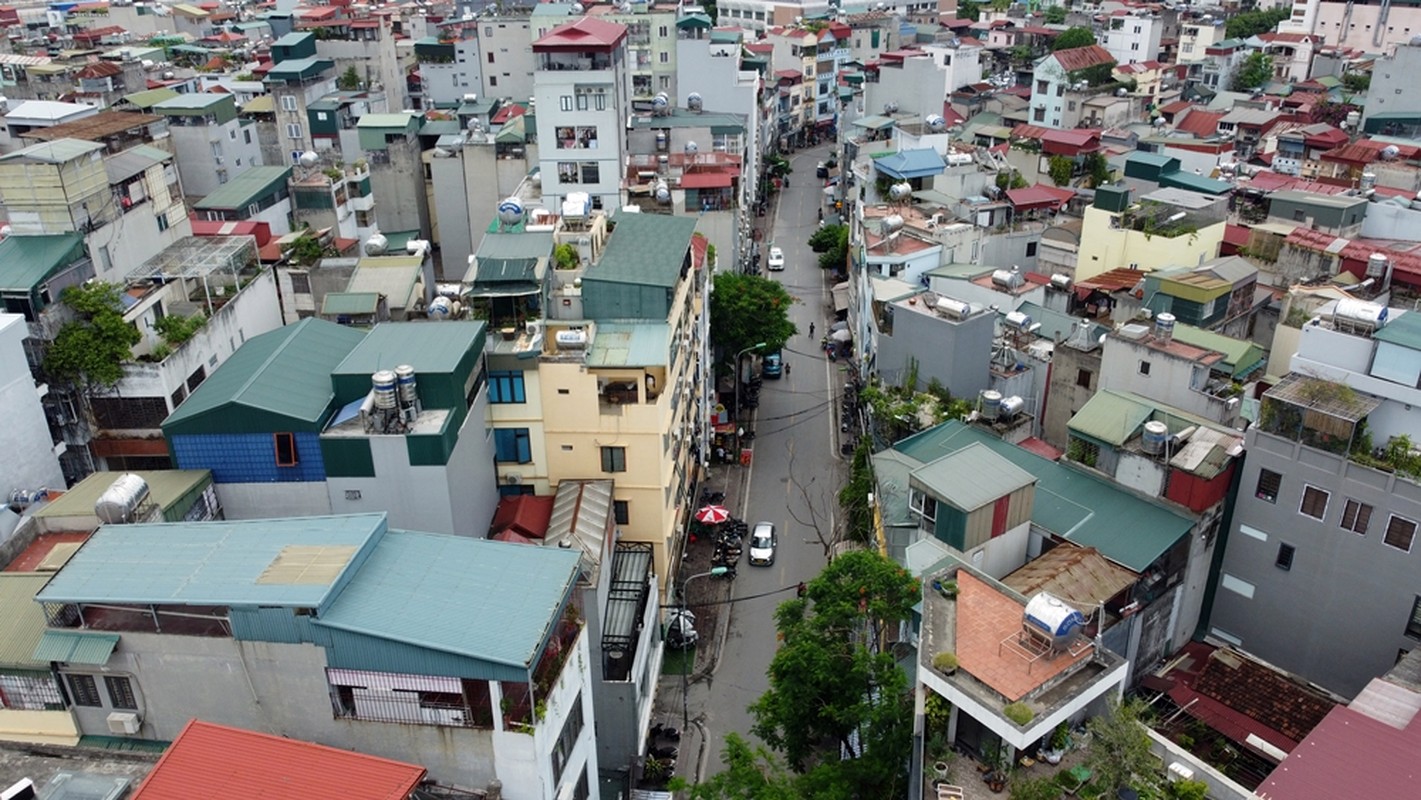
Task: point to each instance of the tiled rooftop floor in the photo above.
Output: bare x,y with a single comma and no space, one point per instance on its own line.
31,556
984,618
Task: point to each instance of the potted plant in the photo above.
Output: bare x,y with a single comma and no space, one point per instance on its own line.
945,662
947,589
1057,744
995,755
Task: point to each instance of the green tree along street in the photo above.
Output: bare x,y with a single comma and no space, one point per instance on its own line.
748,309
1251,23
751,773
1073,37
831,242
93,348
1253,72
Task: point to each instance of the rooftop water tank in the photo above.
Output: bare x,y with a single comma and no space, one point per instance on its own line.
991,401
1012,406
383,384
1018,320
1164,327
571,339
935,122
1360,314
1376,265
440,308
1153,439
405,382
1052,620
1060,281
953,309
119,503
959,159
694,101
1007,278
510,211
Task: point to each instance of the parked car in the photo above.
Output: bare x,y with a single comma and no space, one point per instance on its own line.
777,259
762,544
774,366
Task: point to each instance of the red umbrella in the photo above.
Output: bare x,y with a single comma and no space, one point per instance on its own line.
712,515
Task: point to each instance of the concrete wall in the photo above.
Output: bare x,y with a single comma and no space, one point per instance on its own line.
400,200
1066,395
508,38
1103,249
30,461
954,353
1171,380
1338,616
269,500
239,150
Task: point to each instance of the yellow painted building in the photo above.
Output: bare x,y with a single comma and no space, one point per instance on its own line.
1109,241
32,709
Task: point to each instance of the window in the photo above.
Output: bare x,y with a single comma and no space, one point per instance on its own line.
1314,502
621,512
162,222
120,692
567,738
662,31
512,445
1269,482
34,691
85,691
506,386
591,173
665,57
1031,249
1083,377
293,130
301,283
1284,561
286,455
1413,625
247,136
614,459
600,102
1356,516
1042,87
565,102
1038,115
490,58
288,102
582,102
1144,367
1399,533
493,80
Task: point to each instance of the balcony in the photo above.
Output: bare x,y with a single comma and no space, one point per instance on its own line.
1319,413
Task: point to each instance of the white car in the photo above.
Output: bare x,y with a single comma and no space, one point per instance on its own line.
777,259
762,544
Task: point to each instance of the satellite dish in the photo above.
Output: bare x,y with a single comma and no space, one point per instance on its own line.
309,159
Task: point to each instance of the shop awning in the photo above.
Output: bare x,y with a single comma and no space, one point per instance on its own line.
841,296
76,647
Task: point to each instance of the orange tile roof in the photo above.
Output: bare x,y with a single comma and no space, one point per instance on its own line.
38,550
1076,58
985,617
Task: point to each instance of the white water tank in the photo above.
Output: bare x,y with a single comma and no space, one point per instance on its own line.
1061,282
386,395
953,309
1012,406
571,339
1007,278
959,159
440,308
1018,320
1164,327
1050,618
1360,314
1376,265
119,503
991,402
405,382
1153,439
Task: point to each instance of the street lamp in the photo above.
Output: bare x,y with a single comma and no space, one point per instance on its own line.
686,668
737,377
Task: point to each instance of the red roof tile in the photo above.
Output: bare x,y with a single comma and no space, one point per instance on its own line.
1175,107
986,618
587,32
1236,235
1202,124
526,515
1366,151
216,762
1076,58
1349,750
1040,448
1039,196
99,69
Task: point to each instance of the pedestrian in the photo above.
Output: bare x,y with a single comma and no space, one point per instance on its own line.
811,330
786,369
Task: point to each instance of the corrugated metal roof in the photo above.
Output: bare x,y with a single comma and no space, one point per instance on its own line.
245,188
26,261
630,345
75,647
134,160
429,348
59,151
919,163
22,621
221,562
1070,502
1404,330
165,487
581,515
972,477
645,249
1110,418
216,762
350,303
1079,575
393,276
284,372
150,97
488,600
891,469
1241,357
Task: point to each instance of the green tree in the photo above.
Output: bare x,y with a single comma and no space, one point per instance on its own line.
1119,746
853,497
1250,23
1060,170
176,329
1097,170
969,9
1001,5
1253,72
1035,789
832,691
751,773
748,309
307,249
838,252
349,80
93,348
1073,37
824,239
1056,15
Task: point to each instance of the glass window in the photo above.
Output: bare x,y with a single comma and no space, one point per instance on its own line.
1314,502
512,445
567,738
1399,533
506,386
1269,482
565,102
622,512
1083,378
1144,367
85,691
1285,556
1356,516
590,173
614,459
120,692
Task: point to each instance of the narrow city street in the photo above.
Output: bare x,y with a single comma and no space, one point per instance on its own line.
792,481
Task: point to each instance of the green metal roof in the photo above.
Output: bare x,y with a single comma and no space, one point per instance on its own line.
488,600
150,97
59,151
1110,418
75,647
291,561
22,623
350,303
645,249
299,68
891,470
393,276
404,120
1070,502
1403,330
285,372
165,486
630,344
1241,357
245,188
972,477
431,348
27,261
1195,183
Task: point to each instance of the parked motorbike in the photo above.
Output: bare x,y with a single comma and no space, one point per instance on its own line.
663,751
670,734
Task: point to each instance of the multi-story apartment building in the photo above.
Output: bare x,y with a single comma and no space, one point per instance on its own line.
261,194
33,460
1196,36
582,88
1391,101
1132,35
449,67
652,33
391,146
1371,27
813,55
1058,73
212,143
1317,575
296,79
507,59
363,42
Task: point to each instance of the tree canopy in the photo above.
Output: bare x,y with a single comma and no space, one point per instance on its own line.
1253,72
92,348
1252,23
1056,15
838,709
968,9
1073,37
748,309
751,773
1119,746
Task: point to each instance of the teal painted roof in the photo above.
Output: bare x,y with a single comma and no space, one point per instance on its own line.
350,303
630,344
1242,358
1195,183
1054,323
245,188
1403,330
431,348
27,261
1152,159
972,477
299,68
1070,502
645,249
919,163
75,647
284,372
1110,418
477,598
294,561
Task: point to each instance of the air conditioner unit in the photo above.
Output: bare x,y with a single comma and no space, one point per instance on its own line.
512,479
124,722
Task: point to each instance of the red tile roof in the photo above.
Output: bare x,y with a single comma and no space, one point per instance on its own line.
525,514
1366,151
587,32
1039,196
1175,107
1310,239
216,762
1140,66
1348,751
985,618
1041,448
1236,235
1118,279
1076,58
99,69
1202,124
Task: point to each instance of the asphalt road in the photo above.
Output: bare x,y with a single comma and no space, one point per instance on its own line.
794,478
